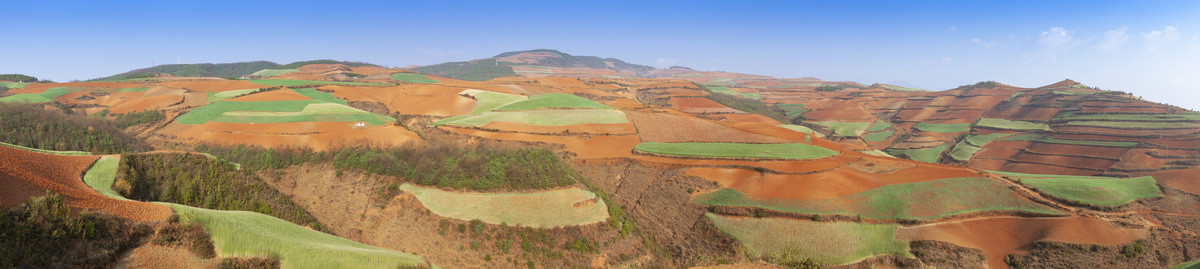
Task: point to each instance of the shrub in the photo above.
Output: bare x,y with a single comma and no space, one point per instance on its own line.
32,126
43,233
137,118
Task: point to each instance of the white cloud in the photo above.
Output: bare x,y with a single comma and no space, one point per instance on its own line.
665,62
1056,36
1155,39
980,42
945,60
1113,39
951,29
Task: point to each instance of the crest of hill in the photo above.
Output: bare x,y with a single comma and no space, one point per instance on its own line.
554,58
17,78
223,70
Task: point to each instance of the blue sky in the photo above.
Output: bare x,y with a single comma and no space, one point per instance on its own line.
1149,48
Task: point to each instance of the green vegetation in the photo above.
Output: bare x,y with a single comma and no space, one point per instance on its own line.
197,180
879,126
1187,265
297,82
46,96
102,175
1012,124
963,151
833,243
925,200
240,233
1073,93
273,72
844,129
737,101
413,78
17,78
793,110
53,152
943,127
878,136
901,88
1090,190
137,118
929,155
44,233
214,97
132,90
794,151
981,85
545,209
30,125
13,85
1052,140
721,90
1136,125
323,107
1071,116
542,117
226,70
479,70
983,140
801,129
303,63
487,101
552,100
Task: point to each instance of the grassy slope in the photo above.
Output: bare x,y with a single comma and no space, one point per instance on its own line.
827,242
878,136
101,176
943,127
46,96
544,117
850,129
1012,124
487,101
413,78
1102,191
14,85
736,150
273,72
1136,125
241,233
552,100
920,201
214,97
323,107
543,209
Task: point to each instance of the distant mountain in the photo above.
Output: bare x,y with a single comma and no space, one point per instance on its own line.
502,65
476,70
223,70
17,78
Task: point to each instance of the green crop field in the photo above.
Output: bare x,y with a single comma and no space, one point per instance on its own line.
1012,124
943,127
751,95
552,100
794,151
878,136
909,201
132,90
982,140
1048,139
1101,191
929,155
213,97
44,97
963,151
542,117
832,243
13,85
273,72
793,110
242,233
413,77
847,129
879,126
102,174
324,107
487,101
801,129
296,82
1136,125
722,90
543,209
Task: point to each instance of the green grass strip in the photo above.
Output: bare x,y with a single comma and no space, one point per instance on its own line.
801,129
1072,116
908,201
44,97
413,78
242,233
846,129
1012,124
214,97
945,128
273,72
1136,125
929,155
132,90
878,136
1052,140
544,117
793,151
295,82
1188,265
963,151
879,126
209,112
832,243
44,151
722,90
102,175
319,95
487,101
552,100
14,85
543,209
982,140
1097,191
793,110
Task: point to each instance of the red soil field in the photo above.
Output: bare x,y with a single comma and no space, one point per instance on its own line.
1182,179
839,182
1000,236
594,147
440,105
1034,168
1177,143
380,135
148,103
602,129
1138,159
1068,161
699,105
1124,110
212,86
25,174
276,95
663,127
750,118
36,88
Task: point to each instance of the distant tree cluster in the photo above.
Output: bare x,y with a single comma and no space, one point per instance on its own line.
32,126
981,85
17,78
748,105
136,118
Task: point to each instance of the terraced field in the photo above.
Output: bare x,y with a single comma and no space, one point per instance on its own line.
929,155
273,72
297,82
942,127
46,96
846,129
552,101
909,201
1052,140
214,97
1012,125
792,151
413,78
832,243
1100,191
322,108
542,209
541,117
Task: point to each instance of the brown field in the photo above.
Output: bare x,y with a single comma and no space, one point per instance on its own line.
26,174
664,127
276,95
700,106
211,86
